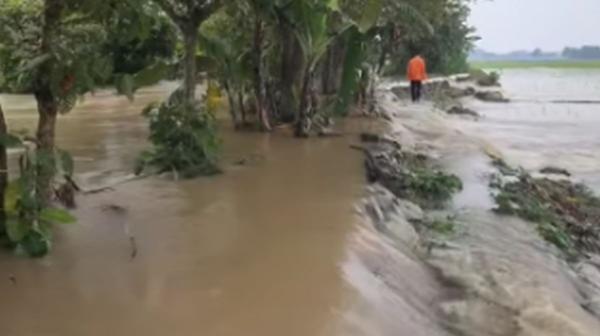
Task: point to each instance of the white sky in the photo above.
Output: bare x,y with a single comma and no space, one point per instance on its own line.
507,25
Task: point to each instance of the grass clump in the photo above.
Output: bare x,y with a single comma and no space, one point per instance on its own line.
484,78
409,175
429,187
567,214
445,227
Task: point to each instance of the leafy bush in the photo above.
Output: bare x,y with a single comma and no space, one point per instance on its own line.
184,138
28,219
444,227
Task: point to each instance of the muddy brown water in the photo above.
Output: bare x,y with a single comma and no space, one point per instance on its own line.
263,249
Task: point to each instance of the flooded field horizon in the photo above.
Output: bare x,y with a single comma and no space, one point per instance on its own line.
552,120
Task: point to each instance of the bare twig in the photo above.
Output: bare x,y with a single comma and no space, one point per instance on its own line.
111,187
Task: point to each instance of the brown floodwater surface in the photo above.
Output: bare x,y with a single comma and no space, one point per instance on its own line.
259,250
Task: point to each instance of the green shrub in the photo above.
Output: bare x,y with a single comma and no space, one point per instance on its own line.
29,221
184,139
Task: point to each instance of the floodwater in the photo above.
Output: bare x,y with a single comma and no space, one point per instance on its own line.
282,244
553,120
260,250
510,281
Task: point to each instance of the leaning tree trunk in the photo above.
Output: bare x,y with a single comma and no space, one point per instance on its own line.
303,120
291,71
233,107
259,80
242,107
3,171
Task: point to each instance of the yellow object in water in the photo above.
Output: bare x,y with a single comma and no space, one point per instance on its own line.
213,97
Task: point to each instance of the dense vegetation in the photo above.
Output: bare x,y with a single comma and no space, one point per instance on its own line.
300,62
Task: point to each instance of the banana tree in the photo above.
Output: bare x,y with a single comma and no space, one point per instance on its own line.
226,58
375,22
310,26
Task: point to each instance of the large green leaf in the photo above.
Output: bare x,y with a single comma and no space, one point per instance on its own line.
350,76
36,62
11,196
56,216
150,75
334,5
10,140
371,13
36,244
126,86
16,229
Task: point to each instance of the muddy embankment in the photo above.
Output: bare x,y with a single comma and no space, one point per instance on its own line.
448,262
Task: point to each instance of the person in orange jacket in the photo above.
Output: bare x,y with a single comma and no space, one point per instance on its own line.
416,74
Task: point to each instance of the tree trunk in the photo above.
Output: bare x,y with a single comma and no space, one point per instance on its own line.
303,119
3,172
259,80
233,108
47,111
47,103
333,66
242,107
291,71
190,32
383,58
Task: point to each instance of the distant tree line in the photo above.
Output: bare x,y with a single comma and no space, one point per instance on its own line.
585,52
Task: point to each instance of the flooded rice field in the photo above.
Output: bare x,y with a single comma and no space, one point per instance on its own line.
553,119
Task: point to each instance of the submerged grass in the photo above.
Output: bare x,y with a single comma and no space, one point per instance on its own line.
411,176
567,214
445,227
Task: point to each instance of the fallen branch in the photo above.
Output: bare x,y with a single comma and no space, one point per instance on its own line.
112,186
359,148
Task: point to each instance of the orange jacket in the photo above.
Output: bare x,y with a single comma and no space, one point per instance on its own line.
417,70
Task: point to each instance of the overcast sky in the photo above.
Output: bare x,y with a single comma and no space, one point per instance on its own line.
506,25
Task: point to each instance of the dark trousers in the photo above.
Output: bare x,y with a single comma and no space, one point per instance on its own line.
415,90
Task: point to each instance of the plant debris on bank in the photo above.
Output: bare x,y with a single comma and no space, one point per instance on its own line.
567,213
408,175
